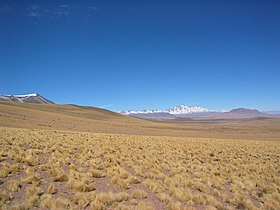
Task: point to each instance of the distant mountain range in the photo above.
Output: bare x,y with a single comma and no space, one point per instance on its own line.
183,111
180,110
177,110
29,98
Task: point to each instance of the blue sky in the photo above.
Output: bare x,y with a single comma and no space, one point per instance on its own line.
143,54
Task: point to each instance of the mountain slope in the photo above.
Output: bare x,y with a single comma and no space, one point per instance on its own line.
34,98
63,117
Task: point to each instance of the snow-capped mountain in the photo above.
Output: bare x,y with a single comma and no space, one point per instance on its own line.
182,109
175,111
127,112
28,98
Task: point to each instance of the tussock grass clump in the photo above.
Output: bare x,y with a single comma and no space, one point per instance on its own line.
97,173
201,187
60,204
83,199
8,169
31,160
245,204
58,175
182,195
97,205
32,177
122,196
153,185
5,198
30,191
120,182
46,201
164,197
80,185
144,206
199,199
14,185
52,189
43,167
174,205
133,180
212,201
139,194
107,199
33,195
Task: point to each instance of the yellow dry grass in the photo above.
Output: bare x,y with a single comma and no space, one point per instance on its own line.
60,169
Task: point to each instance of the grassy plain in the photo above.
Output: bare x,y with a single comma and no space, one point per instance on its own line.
60,170
51,157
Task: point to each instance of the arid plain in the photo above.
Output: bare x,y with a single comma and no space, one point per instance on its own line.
73,157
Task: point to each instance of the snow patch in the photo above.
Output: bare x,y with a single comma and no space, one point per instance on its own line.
27,95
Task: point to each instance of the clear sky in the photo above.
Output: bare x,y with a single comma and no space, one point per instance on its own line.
143,54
